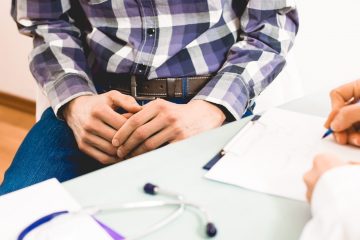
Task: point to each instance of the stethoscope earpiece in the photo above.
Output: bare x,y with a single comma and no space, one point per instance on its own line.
211,230
150,188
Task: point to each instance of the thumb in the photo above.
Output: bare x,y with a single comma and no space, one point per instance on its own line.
346,117
123,101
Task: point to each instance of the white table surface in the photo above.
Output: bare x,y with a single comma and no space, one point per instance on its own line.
238,213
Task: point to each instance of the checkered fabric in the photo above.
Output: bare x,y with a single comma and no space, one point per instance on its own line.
243,43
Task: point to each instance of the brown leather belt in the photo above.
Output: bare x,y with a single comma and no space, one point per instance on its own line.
144,89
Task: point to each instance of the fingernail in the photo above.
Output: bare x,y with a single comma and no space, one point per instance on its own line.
335,125
115,143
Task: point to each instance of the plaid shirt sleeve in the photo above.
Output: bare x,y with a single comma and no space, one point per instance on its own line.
268,29
57,45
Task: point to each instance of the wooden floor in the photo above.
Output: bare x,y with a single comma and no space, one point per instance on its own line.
14,125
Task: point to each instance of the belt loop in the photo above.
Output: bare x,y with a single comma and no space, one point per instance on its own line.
184,86
133,86
170,88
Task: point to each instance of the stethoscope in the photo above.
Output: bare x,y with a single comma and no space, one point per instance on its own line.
210,229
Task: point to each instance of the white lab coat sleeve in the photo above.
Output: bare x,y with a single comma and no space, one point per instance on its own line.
335,206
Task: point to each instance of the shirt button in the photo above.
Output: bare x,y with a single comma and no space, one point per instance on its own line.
150,31
141,68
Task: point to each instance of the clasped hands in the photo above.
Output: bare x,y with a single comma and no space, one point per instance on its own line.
110,137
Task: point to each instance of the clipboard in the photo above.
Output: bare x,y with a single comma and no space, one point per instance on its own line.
224,150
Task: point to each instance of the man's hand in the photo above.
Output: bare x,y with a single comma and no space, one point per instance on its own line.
94,122
161,122
321,164
344,119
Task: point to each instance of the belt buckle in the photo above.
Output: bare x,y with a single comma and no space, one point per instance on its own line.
133,91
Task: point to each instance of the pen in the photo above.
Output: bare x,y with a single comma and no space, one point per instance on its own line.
330,131
327,133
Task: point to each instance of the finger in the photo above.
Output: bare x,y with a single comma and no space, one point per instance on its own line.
110,117
341,137
310,181
341,95
346,117
154,142
127,115
309,194
140,135
331,118
101,129
97,154
133,123
306,179
126,102
354,138
100,144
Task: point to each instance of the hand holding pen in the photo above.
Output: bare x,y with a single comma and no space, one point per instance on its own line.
344,119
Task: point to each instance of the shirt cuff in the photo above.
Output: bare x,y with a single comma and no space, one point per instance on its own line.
66,89
227,90
337,192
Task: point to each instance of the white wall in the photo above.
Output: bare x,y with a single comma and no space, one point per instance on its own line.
326,53
15,77
327,50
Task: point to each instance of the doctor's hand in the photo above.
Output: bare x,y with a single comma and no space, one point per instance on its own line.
344,119
94,122
161,122
321,164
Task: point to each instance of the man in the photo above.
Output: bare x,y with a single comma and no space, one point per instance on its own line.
207,59
333,184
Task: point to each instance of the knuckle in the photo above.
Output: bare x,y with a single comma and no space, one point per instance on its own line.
81,145
161,104
180,132
85,138
112,151
333,93
83,135
134,121
112,93
97,111
182,135
171,118
139,134
128,98
149,145
87,126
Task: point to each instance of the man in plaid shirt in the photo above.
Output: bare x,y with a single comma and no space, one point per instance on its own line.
98,62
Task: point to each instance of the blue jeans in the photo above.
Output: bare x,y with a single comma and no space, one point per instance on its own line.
49,150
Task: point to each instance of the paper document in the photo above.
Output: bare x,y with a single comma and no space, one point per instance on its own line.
21,208
272,154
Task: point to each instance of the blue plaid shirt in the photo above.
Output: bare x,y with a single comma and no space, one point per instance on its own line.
242,43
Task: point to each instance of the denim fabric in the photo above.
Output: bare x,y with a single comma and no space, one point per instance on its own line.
49,150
